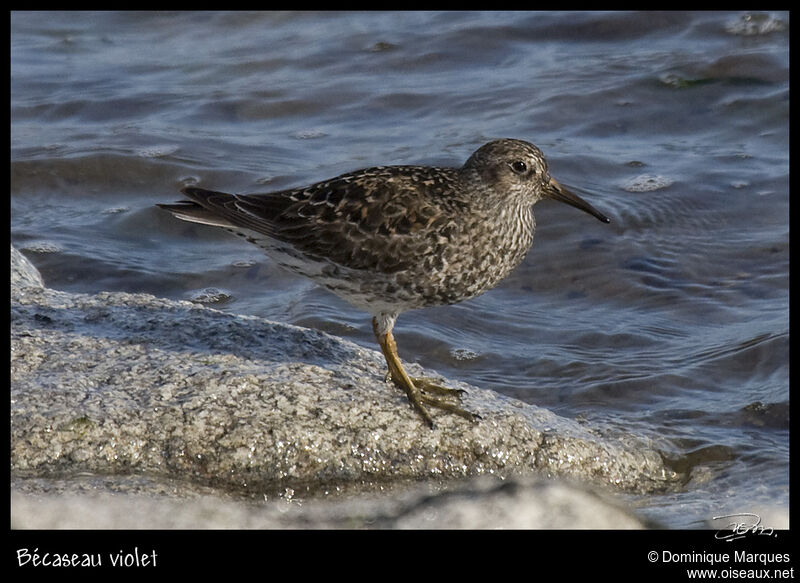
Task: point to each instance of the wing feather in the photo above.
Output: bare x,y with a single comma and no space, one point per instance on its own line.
378,218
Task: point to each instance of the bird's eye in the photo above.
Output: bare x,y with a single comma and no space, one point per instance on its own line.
519,167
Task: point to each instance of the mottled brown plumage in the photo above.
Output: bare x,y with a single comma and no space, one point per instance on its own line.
393,238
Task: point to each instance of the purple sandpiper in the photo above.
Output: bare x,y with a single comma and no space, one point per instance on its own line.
389,239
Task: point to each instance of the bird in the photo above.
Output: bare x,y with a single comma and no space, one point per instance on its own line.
388,239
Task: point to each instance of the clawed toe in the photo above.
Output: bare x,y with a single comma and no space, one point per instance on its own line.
426,386
447,406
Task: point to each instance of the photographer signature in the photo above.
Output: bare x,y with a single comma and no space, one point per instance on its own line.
736,530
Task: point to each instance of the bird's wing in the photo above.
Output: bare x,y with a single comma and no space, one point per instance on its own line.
377,219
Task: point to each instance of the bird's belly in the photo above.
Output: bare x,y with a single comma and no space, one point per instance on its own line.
444,274
369,290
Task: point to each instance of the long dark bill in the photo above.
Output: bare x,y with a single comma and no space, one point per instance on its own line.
558,192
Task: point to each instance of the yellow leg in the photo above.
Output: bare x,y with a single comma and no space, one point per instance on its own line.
417,389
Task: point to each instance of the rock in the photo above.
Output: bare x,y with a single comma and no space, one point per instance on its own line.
23,273
480,503
119,384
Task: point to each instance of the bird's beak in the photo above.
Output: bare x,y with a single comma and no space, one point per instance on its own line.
558,192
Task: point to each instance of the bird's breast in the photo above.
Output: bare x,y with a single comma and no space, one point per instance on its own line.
474,256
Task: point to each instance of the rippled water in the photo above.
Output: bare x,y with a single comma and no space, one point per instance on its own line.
670,323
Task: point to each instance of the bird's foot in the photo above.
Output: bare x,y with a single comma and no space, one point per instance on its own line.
420,391
427,385
433,395
441,403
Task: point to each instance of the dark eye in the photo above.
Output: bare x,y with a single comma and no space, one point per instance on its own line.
519,167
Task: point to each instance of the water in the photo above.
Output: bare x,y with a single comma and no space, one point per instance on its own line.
671,323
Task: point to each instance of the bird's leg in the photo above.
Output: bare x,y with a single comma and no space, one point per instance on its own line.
400,377
416,396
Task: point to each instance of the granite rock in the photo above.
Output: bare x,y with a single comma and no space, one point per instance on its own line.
118,384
